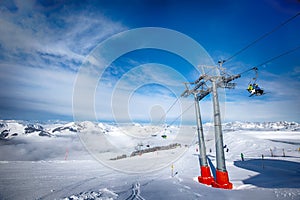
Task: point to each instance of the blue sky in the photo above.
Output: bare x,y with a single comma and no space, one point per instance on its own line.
44,44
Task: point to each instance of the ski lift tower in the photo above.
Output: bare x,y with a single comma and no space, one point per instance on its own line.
206,177
223,81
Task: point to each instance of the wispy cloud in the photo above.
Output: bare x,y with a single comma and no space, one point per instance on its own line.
62,37
37,89
41,51
137,91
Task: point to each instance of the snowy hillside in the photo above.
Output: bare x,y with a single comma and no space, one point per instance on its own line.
136,161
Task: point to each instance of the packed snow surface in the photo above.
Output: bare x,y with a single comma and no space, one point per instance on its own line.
90,160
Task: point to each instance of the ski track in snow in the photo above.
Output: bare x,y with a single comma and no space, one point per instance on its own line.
135,192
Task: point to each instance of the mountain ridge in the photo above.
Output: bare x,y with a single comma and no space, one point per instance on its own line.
13,128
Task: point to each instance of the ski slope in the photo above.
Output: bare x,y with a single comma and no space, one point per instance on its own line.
59,167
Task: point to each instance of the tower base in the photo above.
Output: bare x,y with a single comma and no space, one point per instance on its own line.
205,177
222,180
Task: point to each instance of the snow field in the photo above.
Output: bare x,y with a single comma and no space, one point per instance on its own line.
34,167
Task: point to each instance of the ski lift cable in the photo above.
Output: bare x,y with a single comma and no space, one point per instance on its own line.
169,109
262,37
181,114
161,119
280,55
271,59
252,68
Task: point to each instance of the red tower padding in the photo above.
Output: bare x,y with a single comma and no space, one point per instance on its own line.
205,177
222,180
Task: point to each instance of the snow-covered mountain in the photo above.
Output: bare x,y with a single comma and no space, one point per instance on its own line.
265,126
13,128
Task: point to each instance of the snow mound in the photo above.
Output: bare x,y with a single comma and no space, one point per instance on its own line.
102,194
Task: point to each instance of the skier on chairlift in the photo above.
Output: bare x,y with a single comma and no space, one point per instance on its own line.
251,89
257,90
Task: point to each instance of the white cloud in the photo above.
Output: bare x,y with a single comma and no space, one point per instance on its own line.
63,37
42,51
151,73
38,89
138,91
